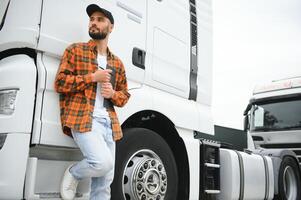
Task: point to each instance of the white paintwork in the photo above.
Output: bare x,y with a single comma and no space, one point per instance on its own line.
173,107
13,165
204,80
37,183
21,27
250,142
37,123
18,72
254,176
280,137
230,177
3,6
278,88
168,46
284,84
205,121
192,147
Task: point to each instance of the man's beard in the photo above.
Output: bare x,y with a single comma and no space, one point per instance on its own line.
98,36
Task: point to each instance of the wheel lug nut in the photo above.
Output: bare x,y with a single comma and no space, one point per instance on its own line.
160,167
163,177
140,174
153,163
139,187
145,165
162,189
143,197
158,197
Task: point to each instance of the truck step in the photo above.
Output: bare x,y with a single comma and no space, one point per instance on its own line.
209,168
52,195
212,165
212,191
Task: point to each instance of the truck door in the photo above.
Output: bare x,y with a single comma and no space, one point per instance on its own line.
168,41
65,22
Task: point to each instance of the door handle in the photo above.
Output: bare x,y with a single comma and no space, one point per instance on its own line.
138,57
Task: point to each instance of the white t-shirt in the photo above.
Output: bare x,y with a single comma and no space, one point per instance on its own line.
99,109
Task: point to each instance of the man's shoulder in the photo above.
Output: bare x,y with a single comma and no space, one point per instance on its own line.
78,45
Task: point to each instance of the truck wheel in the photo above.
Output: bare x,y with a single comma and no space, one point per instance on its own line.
145,168
289,180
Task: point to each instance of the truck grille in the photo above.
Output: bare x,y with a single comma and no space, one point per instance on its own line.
295,147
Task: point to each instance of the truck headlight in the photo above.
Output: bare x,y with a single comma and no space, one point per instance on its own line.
7,101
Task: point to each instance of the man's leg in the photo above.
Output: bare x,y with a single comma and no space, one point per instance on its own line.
100,186
97,161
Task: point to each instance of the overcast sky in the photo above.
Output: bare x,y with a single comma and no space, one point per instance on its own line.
254,41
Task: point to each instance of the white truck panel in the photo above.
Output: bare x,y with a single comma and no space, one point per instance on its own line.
13,156
230,177
172,107
39,185
18,72
254,176
192,147
21,30
279,137
204,80
168,46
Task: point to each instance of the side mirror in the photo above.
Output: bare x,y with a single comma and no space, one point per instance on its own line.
246,116
246,122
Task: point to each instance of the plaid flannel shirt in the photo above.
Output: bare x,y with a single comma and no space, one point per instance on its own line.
77,92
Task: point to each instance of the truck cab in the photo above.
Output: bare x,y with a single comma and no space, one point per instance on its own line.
169,149
275,115
272,118
158,42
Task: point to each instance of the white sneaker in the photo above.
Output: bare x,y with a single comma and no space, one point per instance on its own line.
68,185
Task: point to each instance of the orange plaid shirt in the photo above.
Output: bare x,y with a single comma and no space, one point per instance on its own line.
77,92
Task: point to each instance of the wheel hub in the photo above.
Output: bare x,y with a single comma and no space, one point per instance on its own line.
144,177
152,181
290,183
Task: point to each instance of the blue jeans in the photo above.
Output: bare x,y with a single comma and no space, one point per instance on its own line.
98,149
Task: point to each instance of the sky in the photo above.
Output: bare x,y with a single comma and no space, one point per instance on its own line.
254,41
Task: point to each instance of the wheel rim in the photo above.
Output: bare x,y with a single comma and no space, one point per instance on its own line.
290,183
144,177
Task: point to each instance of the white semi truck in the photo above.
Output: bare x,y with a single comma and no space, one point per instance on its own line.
166,153
273,117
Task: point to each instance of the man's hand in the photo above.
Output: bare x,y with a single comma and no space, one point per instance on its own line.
102,76
107,90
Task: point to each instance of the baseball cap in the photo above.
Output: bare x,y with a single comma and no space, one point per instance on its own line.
93,8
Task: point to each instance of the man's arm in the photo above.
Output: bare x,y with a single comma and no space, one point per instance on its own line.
121,95
66,81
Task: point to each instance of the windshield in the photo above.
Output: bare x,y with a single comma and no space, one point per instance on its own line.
273,116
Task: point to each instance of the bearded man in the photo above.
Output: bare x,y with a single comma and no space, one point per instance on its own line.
91,80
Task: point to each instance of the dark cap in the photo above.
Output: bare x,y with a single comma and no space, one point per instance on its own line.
93,8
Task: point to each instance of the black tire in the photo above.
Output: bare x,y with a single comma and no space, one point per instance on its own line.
139,140
289,185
